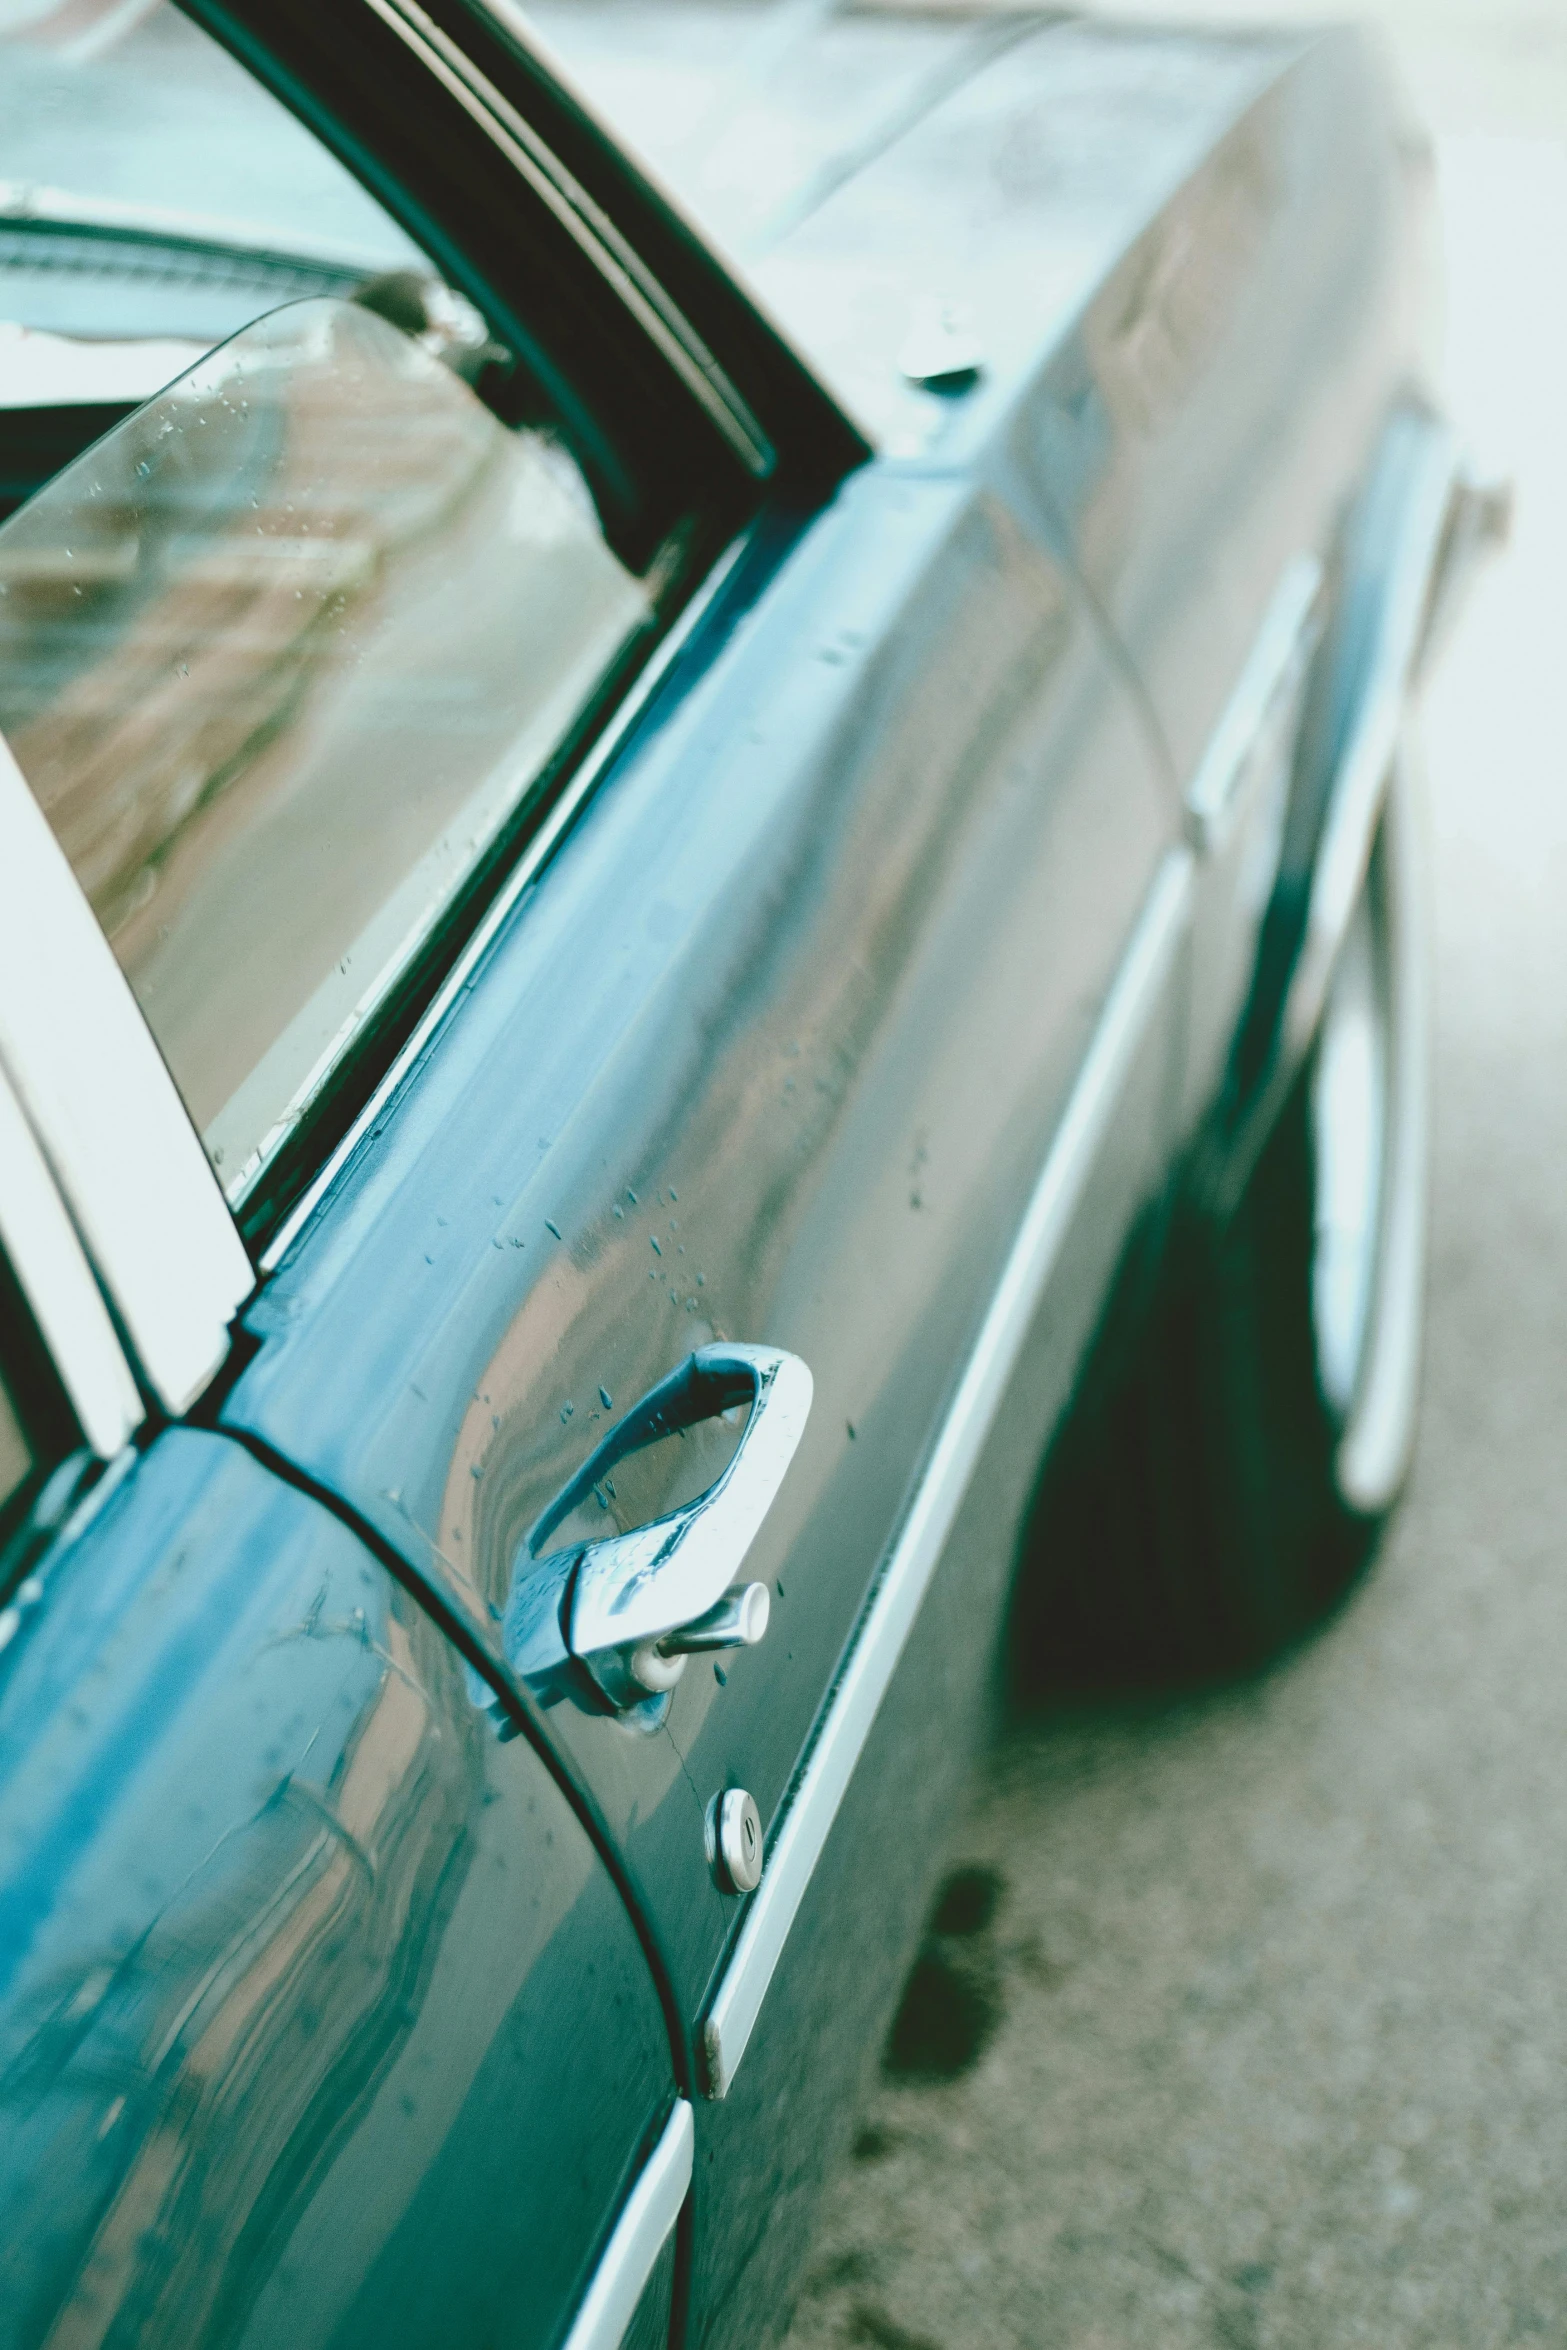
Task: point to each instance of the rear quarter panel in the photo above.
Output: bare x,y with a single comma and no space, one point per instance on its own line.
1196,268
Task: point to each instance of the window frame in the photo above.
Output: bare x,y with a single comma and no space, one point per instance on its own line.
109,1122
59,1297
454,121
453,117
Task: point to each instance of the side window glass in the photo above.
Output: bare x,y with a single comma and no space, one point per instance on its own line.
280,657
288,652
153,200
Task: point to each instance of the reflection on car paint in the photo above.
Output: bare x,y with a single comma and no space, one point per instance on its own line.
868,905
285,1937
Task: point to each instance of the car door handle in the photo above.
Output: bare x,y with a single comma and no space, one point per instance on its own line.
634,1606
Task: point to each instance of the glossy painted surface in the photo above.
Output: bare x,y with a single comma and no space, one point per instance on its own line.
773,1049
1218,234
1208,419
776,1047
287,1935
774,1052
1215,233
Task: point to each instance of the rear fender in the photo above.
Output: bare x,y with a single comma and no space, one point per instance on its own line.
1403,558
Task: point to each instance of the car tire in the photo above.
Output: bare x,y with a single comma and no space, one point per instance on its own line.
1224,1483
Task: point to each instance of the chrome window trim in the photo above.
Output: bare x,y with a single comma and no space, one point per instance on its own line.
533,855
590,228
1139,987
639,2236
127,1161
32,204
56,1280
1282,647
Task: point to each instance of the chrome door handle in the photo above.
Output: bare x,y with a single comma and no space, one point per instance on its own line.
638,1604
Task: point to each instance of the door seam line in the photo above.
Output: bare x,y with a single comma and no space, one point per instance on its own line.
519,1708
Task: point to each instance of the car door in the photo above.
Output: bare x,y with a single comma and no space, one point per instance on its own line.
773,1052
321,2019
820,1023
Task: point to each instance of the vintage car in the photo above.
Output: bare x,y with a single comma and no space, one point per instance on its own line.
711,1010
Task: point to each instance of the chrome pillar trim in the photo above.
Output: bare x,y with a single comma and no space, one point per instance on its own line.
1378,1437
56,1280
589,227
797,1842
1273,668
128,1163
534,855
640,2234
1368,756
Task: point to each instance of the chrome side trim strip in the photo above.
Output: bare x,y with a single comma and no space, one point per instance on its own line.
128,1162
1277,659
31,204
1408,569
533,855
57,1283
1368,756
640,2234
797,1842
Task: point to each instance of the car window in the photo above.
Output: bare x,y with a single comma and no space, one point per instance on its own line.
153,200
281,658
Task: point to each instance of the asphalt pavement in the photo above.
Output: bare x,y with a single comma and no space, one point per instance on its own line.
1276,1980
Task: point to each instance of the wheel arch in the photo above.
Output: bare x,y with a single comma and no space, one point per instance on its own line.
1402,556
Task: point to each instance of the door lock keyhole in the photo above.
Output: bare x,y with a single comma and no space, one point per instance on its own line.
736,1842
